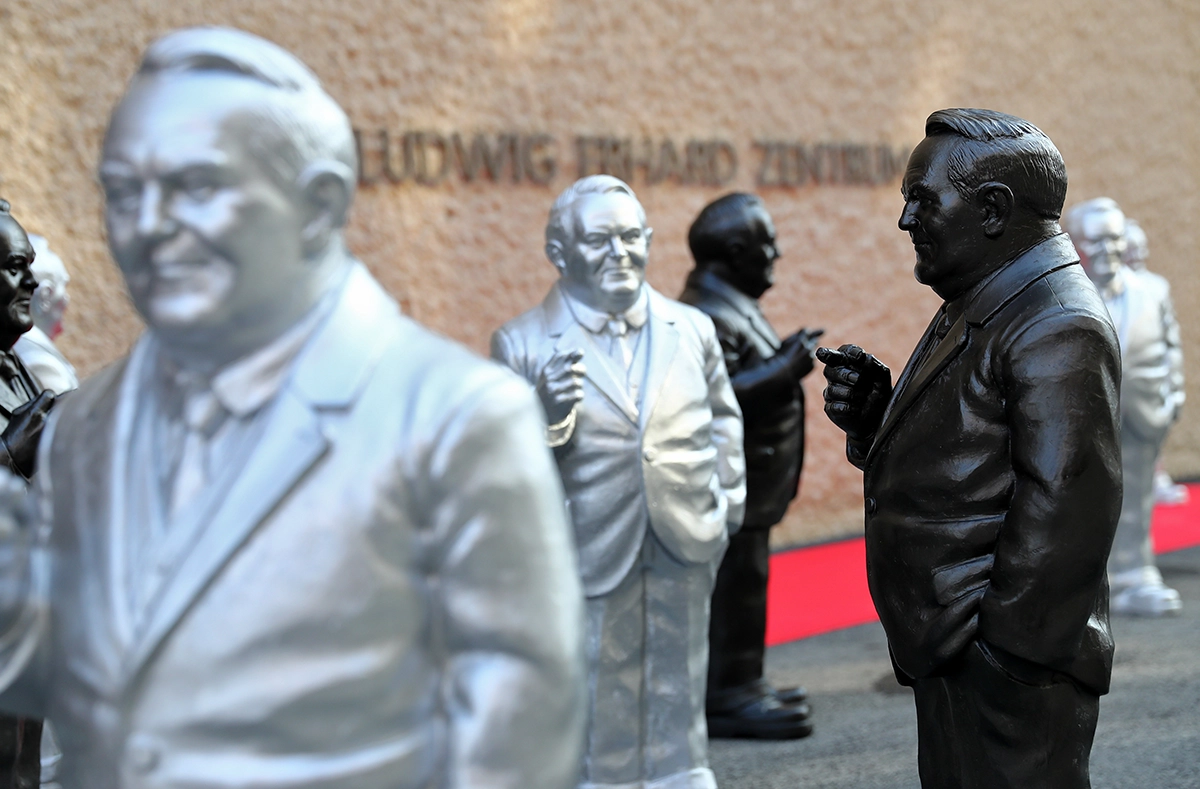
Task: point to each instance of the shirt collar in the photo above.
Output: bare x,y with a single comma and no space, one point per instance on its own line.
247,384
595,321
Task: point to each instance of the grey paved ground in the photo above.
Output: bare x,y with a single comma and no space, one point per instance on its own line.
1148,738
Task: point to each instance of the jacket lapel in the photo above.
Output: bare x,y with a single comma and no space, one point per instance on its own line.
568,335
664,338
908,390
993,295
329,373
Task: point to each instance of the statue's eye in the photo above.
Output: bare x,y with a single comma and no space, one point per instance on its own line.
198,186
122,194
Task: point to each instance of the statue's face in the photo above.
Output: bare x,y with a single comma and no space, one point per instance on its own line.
604,265
945,229
16,282
1101,244
755,266
207,240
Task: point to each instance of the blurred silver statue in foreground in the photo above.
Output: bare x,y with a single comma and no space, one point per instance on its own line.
648,440
1151,394
36,346
295,540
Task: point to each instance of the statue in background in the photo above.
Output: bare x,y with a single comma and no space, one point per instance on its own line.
1137,251
293,539
992,469
23,410
733,244
36,346
648,438
1151,395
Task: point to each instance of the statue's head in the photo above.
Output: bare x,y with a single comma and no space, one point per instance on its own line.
16,280
597,238
981,187
228,173
1137,249
1097,228
735,237
50,300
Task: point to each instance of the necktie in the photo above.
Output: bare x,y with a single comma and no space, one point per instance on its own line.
618,349
202,416
11,373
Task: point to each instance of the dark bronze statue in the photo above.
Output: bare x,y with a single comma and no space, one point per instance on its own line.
23,410
733,243
992,470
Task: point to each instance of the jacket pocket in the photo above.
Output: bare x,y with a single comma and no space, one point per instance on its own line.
957,580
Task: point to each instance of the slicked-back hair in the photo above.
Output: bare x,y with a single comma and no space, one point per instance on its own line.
299,123
709,235
994,146
560,226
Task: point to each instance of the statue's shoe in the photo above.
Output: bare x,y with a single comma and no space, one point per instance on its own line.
759,715
1147,599
791,696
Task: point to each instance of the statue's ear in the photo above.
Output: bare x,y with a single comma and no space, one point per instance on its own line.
326,189
995,201
556,255
649,236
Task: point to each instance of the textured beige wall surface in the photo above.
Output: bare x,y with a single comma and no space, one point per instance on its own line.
1115,85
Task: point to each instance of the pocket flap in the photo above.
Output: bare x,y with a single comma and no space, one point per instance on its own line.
955,580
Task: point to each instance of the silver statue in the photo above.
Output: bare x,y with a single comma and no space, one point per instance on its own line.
1137,251
36,346
648,440
1151,395
294,539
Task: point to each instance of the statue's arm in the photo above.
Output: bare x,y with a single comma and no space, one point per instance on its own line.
24,575
727,428
1060,380
507,600
1174,360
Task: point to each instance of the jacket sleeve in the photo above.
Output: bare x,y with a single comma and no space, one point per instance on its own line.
726,426
1060,380
24,586
505,592
1175,384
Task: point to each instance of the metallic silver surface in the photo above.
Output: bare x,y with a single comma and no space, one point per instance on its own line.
1151,377
654,474
293,539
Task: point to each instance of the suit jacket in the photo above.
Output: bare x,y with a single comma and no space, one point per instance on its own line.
774,422
1151,357
385,598
993,484
676,458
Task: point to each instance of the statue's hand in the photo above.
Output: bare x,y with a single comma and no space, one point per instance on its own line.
24,430
859,389
800,347
560,386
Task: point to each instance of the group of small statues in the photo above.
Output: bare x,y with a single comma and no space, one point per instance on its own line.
293,539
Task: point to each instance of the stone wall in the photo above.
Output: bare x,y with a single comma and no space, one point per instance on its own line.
1117,88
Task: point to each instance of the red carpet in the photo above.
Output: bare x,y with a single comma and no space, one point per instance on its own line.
824,587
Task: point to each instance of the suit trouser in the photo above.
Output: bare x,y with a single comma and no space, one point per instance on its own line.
1131,546
738,630
978,727
647,651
